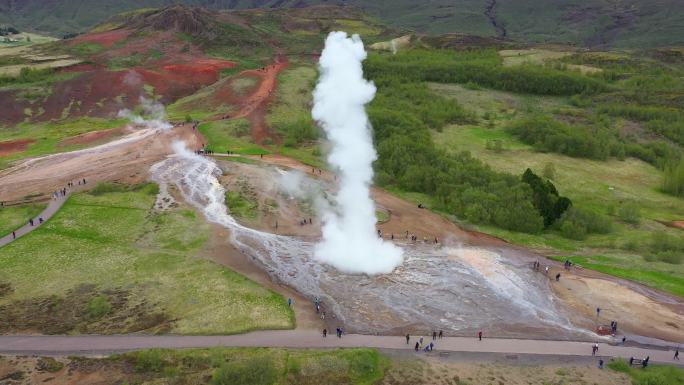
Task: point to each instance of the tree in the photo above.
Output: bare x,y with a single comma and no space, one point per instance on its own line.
545,198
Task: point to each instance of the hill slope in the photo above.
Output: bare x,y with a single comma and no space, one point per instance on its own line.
624,23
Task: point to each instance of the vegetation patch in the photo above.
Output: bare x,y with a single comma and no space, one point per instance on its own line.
13,217
651,375
114,265
229,136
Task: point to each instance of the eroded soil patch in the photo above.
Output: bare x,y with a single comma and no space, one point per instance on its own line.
84,309
11,146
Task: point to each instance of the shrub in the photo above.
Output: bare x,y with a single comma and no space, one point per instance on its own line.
549,171
673,178
253,371
98,307
630,213
151,360
573,230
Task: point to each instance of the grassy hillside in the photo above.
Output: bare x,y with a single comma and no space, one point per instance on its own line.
628,23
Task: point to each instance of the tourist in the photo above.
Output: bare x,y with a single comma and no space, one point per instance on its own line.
624,338
434,335
325,333
417,346
31,222
14,235
676,356
598,311
408,337
557,277
594,349
644,363
289,302
546,270
479,335
322,316
40,219
441,334
600,364
421,341
432,345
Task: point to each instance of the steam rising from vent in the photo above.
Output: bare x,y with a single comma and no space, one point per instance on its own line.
349,240
153,114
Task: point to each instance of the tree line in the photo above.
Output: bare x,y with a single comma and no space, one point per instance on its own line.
483,68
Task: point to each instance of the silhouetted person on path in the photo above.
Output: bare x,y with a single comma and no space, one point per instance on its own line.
624,338
325,333
31,222
557,277
598,311
676,356
408,337
479,335
644,363
14,235
434,336
417,346
600,364
441,334
289,302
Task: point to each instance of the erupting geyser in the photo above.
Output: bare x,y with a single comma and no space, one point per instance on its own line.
350,242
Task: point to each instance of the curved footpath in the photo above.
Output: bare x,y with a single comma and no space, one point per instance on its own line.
52,207
101,345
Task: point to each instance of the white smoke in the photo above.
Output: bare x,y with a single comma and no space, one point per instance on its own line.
350,242
153,115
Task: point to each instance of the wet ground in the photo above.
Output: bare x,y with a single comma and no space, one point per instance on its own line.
455,288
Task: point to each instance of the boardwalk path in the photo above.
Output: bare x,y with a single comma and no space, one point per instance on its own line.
54,206
97,345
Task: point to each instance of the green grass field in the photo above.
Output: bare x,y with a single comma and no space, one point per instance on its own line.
112,240
651,375
13,217
230,135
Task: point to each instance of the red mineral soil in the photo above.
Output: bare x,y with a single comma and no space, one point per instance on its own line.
12,146
92,137
105,39
253,106
678,224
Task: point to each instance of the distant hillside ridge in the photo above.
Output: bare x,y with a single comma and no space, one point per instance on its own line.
590,23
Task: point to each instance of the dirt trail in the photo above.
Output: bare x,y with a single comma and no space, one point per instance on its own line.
125,160
253,108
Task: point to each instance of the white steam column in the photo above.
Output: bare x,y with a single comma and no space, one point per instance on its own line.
350,242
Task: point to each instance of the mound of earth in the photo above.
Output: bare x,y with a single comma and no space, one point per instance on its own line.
197,22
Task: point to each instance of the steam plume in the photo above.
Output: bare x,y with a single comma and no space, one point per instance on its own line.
349,240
